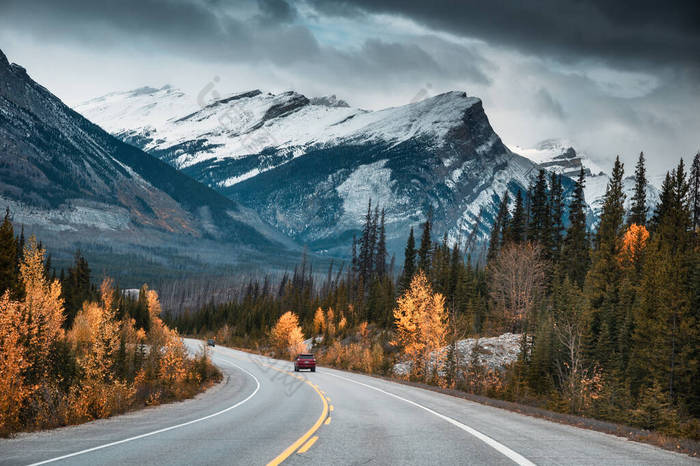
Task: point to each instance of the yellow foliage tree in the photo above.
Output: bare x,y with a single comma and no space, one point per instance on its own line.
41,313
330,322
13,390
421,324
29,330
319,321
286,336
633,243
95,337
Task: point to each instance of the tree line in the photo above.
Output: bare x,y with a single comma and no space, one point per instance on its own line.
72,352
608,317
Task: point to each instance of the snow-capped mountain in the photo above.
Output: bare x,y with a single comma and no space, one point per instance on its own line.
74,185
559,155
309,166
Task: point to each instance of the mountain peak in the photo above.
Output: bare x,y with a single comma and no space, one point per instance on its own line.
329,101
3,60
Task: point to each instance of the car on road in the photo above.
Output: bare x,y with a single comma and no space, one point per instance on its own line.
305,361
210,342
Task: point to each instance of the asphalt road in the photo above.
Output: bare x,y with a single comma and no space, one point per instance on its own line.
263,412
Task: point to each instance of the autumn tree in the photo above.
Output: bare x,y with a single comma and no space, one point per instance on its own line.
30,330
319,322
569,307
633,243
421,327
517,283
41,314
13,362
95,337
286,336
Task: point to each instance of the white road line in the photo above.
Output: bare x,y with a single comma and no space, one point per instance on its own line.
516,457
159,431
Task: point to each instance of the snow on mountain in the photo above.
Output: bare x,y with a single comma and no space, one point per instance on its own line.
75,185
309,166
168,121
559,155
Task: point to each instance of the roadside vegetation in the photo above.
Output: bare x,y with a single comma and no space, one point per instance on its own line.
609,319
70,353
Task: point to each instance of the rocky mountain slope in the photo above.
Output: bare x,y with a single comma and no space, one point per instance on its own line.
309,166
75,185
492,353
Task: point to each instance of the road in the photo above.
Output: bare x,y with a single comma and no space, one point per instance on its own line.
262,413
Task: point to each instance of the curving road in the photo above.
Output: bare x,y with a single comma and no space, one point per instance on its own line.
262,414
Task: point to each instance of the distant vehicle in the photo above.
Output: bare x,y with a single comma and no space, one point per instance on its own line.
210,342
305,361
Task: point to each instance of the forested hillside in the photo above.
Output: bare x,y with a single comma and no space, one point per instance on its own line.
70,352
609,319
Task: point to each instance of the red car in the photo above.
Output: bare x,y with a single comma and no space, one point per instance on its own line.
305,361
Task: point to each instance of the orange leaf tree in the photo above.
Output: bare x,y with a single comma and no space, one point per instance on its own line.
286,336
633,243
421,327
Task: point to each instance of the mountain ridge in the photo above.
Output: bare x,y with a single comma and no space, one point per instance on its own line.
72,183
310,169
560,156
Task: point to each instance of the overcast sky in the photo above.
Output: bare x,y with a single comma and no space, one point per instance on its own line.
611,78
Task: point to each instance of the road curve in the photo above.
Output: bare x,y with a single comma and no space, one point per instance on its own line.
262,413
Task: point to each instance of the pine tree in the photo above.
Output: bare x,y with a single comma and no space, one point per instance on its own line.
409,265
354,261
425,251
639,209
665,201
381,254
456,266
518,222
77,289
8,255
538,229
496,240
373,237
366,246
604,279
576,256
695,192
556,215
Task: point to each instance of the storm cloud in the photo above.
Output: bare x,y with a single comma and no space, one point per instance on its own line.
611,77
625,33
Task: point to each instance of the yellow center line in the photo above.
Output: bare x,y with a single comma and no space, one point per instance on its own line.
300,441
308,444
328,420
331,408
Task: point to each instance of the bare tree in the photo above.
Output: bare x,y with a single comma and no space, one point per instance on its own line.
517,282
569,332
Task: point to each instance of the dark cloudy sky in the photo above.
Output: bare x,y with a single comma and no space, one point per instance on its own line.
613,77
